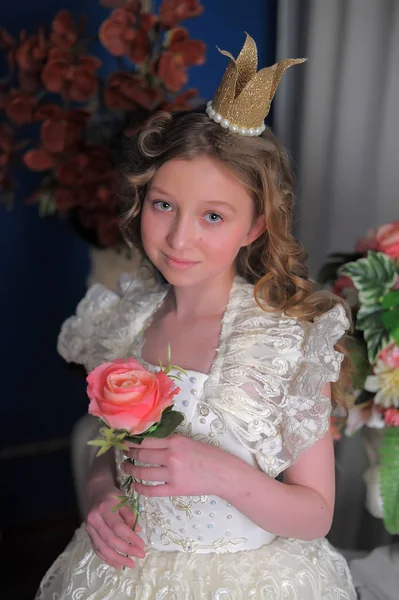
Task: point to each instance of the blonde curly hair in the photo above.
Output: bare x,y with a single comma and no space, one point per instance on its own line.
275,263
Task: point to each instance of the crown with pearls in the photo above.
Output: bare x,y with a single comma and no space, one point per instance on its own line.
242,100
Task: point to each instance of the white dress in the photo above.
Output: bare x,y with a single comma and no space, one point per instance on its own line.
261,401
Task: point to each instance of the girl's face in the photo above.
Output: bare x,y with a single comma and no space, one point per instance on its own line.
195,218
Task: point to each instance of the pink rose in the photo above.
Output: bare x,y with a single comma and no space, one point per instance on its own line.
391,417
390,356
388,239
369,242
127,396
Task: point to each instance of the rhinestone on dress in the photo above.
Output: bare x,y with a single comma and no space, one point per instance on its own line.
194,392
212,515
210,526
193,380
185,403
204,411
213,501
202,420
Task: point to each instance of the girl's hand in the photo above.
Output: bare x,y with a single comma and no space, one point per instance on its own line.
187,467
111,533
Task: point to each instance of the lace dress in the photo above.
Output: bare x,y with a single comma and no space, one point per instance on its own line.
261,401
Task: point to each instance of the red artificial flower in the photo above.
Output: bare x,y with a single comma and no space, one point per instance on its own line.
59,132
19,107
116,31
172,12
32,52
8,44
74,80
172,70
181,53
126,92
192,51
63,32
125,33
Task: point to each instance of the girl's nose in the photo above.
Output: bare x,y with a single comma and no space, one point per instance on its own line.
182,232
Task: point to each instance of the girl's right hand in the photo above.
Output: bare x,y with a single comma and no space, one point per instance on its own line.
111,533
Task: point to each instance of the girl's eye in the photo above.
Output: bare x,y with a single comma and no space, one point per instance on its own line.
213,218
162,205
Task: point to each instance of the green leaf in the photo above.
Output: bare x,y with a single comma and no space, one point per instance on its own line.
390,479
390,300
390,318
373,276
103,450
395,335
98,443
170,421
361,364
376,336
125,500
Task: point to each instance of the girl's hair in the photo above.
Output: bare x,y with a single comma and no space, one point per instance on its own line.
275,262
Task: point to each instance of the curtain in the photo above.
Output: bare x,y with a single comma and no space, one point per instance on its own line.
338,115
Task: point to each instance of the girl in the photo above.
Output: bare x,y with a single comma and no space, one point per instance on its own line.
248,481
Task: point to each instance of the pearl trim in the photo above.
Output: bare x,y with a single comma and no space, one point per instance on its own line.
225,123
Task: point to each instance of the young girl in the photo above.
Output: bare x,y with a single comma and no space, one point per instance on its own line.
247,490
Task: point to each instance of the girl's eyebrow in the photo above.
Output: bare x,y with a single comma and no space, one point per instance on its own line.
221,203
155,188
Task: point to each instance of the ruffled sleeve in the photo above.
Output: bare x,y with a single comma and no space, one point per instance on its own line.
271,375
107,323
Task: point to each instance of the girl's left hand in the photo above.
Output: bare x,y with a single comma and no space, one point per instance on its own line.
187,467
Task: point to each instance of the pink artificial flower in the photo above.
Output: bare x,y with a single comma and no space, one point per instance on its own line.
391,417
388,239
390,356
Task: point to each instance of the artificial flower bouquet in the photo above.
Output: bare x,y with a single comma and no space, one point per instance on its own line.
368,280
64,110
133,404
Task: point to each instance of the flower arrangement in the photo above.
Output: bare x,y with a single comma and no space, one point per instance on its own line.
368,280
132,403
60,117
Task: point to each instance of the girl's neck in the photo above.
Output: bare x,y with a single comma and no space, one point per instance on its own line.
206,299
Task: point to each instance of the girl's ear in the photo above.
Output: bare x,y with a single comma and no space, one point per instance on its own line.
257,228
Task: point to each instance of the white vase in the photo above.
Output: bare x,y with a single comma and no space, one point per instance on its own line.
107,266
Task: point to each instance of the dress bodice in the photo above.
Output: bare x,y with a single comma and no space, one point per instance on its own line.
262,399
199,524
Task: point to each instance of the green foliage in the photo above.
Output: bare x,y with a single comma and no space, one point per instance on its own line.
374,278
389,479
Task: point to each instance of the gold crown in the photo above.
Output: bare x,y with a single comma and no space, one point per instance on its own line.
242,100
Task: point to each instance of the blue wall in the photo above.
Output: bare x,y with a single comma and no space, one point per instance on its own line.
43,267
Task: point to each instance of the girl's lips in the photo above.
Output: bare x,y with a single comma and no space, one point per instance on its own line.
179,264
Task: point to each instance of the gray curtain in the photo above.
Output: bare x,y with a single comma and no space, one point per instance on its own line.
338,115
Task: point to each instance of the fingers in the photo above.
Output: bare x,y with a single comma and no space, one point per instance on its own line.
149,456
130,518
154,443
106,553
147,473
155,491
112,538
119,528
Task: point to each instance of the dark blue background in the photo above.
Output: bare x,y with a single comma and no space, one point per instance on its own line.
43,268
